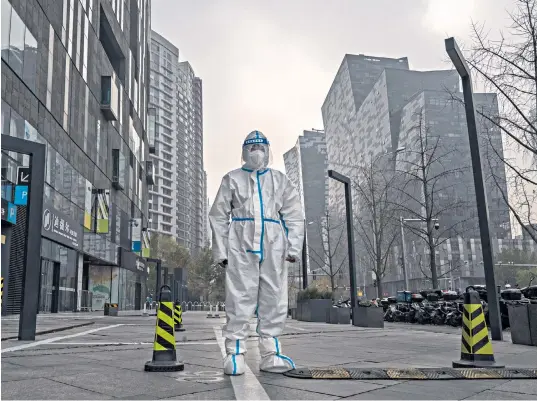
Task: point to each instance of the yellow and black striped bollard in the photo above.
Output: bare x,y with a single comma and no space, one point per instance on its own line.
178,317
476,348
2,293
164,353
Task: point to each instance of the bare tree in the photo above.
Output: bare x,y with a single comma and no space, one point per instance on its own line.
332,240
507,66
375,222
430,189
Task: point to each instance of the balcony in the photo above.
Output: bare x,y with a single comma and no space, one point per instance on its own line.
109,97
150,172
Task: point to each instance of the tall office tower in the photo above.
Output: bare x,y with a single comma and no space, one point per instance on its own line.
178,197
370,114
75,77
306,166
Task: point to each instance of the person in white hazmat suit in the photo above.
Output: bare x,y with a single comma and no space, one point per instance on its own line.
258,224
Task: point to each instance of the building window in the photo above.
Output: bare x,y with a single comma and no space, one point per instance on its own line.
85,49
66,94
19,47
166,209
50,70
71,26
166,227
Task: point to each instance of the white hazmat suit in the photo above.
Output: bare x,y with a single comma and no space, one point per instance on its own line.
258,223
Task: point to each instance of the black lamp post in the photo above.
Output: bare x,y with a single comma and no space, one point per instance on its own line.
459,62
350,233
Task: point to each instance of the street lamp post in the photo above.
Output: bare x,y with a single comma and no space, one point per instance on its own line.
403,261
461,66
350,233
304,260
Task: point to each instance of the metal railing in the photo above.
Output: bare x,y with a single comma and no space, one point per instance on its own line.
86,299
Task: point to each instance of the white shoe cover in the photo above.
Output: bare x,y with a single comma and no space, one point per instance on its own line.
234,365
272,360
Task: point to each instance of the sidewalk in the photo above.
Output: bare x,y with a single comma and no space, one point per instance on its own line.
55,322
106,361
48,323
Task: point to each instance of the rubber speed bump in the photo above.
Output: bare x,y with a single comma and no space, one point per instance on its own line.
476,347
411,374
178,317
164,353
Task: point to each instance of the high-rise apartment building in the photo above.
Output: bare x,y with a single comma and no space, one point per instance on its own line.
178,204
74,78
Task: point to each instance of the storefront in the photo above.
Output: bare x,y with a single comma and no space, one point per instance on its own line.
60,260
103,285
132,281
125,285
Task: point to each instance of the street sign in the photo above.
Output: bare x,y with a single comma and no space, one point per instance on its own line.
60,227
21,195
23,175
9,212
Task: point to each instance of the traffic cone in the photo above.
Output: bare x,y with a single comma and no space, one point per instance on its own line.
476,347
210,314
217,313
164,354
178,317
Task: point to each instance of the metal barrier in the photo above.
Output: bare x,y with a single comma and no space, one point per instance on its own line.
86,301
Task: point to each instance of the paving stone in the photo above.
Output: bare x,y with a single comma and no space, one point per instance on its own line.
520,386
120,382
12,372
499,395
340,388
281,393
45,389
221,394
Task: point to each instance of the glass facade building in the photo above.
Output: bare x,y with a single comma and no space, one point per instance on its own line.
74,78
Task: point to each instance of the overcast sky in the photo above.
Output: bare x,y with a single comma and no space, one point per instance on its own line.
268,65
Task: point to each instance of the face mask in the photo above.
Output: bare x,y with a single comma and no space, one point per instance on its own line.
257,157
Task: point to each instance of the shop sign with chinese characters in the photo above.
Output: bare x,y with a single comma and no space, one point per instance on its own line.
61,228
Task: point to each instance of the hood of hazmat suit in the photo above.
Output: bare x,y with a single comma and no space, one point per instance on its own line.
257,221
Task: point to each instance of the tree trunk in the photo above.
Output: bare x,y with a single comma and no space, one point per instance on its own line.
432,262
379,287
379,276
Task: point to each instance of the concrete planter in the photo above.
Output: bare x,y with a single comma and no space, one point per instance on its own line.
301,308
338,315
293,313
523,323
313,310
371,316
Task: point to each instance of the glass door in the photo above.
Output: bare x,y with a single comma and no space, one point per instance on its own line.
137,296
48,294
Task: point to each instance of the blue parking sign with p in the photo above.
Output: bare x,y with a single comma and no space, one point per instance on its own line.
12,213
21,195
